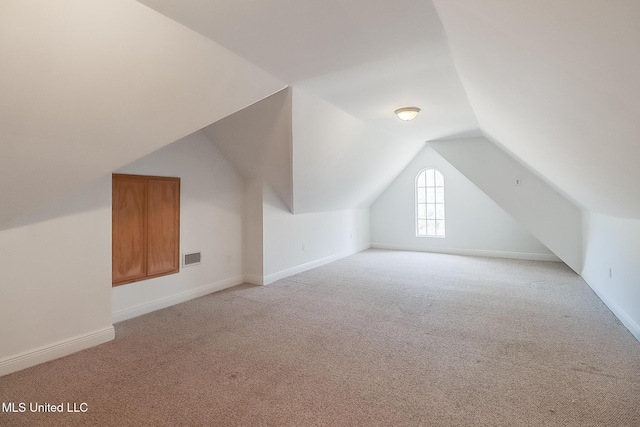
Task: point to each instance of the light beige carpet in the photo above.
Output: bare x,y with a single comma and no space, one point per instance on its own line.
380,338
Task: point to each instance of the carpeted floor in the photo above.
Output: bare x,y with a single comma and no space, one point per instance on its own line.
380,338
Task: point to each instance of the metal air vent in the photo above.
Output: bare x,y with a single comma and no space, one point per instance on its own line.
193,258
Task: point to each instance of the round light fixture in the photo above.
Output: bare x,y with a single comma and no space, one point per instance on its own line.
407,113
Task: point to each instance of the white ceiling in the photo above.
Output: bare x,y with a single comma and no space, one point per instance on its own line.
556,84
367,57
551,82
87,87
340,162
257,142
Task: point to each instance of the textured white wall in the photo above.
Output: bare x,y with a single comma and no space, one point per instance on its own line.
614,243
211,221
475,224
55,275
326,236
542,210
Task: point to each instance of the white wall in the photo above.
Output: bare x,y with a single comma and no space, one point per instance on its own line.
541,209
253,264
475,224
211,221
326,236
55,278
614,243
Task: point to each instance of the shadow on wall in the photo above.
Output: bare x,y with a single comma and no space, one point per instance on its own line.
89,197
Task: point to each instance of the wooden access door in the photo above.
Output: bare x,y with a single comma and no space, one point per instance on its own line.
145,227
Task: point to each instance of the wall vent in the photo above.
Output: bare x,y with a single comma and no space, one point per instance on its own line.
193,258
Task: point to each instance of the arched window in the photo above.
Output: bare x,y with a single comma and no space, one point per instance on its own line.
429,203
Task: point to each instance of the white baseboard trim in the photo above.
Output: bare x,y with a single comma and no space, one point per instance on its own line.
470,252
627,321
168,301
55,351
312,264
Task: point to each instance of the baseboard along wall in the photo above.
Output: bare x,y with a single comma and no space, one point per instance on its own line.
470,252
55,350
138,310
626,320
311,264
75,344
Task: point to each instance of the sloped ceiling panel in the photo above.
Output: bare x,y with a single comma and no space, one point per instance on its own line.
90,86
340,162
555,83
545,213
364,58
257,141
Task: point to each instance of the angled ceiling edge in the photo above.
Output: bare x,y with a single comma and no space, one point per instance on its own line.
257,141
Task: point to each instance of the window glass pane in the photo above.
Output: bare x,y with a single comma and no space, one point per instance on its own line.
431,195
422,196
422,228
430,203
421,180
439,179
430,179
431,211
422,211
431,228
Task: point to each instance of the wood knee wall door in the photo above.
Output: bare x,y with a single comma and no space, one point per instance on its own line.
145,227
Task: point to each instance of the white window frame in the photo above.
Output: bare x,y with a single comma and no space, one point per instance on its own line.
434,204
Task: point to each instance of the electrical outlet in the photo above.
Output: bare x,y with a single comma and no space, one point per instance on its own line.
610,273
518,181
228,259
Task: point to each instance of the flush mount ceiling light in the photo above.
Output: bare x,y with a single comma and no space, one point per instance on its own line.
407,113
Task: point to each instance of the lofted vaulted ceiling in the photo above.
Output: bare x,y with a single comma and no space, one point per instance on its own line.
555,83
552,83
367,57
90,86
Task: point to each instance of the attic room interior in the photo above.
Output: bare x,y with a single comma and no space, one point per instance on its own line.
308,200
